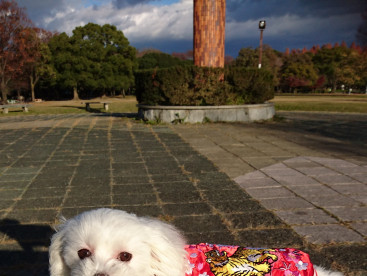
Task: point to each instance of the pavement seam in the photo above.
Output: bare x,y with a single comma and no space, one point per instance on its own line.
139,150
68,187
109,138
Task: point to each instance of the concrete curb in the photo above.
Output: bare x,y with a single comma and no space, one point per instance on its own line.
200,114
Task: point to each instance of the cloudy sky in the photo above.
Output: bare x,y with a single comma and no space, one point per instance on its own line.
167,25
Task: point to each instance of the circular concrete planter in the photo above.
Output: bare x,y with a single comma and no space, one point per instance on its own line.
199,114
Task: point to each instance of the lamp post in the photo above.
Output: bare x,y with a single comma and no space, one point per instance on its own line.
262,25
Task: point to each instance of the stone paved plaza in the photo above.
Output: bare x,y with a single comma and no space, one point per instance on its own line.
300,181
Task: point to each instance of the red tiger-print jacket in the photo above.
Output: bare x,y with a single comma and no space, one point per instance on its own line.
225,260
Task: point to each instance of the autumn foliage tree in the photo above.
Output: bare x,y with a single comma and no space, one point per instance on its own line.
298,71
13,43
37,57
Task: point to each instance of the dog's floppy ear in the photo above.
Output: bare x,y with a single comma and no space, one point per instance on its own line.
57,265
167,250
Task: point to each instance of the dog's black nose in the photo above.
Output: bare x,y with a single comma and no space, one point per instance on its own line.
100,274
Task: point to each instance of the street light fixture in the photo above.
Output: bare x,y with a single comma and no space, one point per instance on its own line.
262,25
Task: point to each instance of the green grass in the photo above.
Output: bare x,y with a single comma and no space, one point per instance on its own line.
68,107
329,103
324,107
301,102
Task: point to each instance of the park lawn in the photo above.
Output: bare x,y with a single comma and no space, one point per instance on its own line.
300,102
117,105
321,103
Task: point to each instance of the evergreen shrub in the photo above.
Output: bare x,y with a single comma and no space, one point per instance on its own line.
198,86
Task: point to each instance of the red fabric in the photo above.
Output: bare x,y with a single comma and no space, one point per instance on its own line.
225,260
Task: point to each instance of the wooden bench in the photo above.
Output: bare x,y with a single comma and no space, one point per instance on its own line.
87,105
5,107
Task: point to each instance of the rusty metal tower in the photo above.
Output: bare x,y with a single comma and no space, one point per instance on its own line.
209,32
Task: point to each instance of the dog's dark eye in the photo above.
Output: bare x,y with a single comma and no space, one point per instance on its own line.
125,256
84,253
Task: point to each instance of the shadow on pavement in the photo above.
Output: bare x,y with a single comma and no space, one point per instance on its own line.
29,254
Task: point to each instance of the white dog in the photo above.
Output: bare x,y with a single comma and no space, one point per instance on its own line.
107,242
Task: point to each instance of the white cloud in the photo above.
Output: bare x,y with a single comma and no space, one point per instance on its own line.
139,22
170,22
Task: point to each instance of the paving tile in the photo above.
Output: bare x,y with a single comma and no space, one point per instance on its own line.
259,162
286,204
360,177
16,177
36,203
334,201
21,170
361,227
181,197
249,220
351,189
352,170
349,213
360,198
295,180
225,195
258,183
238,206
14,185
335,179
44,192
132,188
317,190
250,176
305,216
328,234
10,194
91,201
199,223
133,199
185,209
314,171
273,192
270,238
44,216
148,210
219,237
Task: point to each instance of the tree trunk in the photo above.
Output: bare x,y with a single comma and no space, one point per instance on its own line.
209,32
33,84
76,96
4,91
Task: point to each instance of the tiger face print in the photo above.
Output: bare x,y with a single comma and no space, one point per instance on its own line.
244,262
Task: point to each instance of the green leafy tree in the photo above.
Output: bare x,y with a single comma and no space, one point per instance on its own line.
338,64
65,60
298,71
271,60
95,58
160,60
362,70
248,57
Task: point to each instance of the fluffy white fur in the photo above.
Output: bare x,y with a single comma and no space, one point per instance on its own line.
157,248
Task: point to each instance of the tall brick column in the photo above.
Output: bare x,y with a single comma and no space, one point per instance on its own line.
209,32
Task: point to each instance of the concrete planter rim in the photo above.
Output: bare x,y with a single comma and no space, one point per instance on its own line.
199,114
207,107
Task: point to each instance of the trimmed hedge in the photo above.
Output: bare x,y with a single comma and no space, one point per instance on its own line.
191,85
